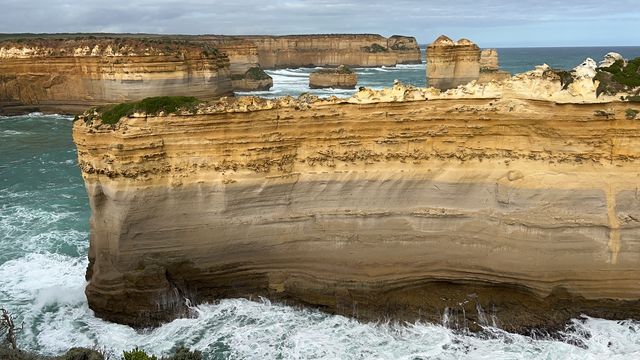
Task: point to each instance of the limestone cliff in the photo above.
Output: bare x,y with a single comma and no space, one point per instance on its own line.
246,74
339,78
358,50
514,204
69,75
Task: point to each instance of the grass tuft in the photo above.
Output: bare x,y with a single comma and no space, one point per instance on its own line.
153,105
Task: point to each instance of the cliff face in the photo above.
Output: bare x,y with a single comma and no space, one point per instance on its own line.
513,204
70,75
364,50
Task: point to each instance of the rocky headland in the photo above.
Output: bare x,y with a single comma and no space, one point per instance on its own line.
341,77
512,203
69,75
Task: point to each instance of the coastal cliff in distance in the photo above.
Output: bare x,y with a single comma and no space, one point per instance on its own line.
69,75
513,204
333,50
246,73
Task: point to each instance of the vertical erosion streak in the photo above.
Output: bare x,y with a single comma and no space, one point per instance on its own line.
614,226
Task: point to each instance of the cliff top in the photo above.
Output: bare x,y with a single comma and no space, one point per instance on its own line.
342,69
92,46
445,41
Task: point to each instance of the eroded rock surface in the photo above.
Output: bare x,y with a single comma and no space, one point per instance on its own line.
355,50
514,204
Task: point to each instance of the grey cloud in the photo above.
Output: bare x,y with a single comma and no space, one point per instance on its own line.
491,20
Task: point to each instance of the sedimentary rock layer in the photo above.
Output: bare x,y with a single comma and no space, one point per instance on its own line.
481,206
340,78
450,64
361,50
70,75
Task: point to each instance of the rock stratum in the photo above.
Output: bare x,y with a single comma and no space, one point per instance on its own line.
69,75
339,78
332,50
511,203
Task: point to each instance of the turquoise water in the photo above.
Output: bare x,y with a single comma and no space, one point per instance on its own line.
44,239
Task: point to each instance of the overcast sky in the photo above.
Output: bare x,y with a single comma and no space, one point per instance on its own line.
488,22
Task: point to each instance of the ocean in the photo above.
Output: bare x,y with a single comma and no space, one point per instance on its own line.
44,235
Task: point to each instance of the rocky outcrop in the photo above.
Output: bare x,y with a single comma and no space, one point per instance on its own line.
254,79
361,50
339,78
512,204
490,67
450,64
70,75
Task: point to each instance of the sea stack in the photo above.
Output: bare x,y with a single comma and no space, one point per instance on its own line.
341,77
70,75
490,67
511,204
450,63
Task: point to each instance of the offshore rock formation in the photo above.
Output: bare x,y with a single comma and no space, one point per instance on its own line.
450,64
339,78
70,75
357,50
490,67
513,204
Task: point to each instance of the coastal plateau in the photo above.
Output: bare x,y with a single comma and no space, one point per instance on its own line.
333,50
69,75
512,203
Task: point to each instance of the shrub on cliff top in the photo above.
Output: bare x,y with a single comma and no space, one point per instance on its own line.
342,69
618,77
153,105
137,354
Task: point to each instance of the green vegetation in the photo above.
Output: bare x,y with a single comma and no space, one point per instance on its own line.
182,353
153,105
375,48
566,79
635,99
137,354
256,73
342,69
618,77
630,114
